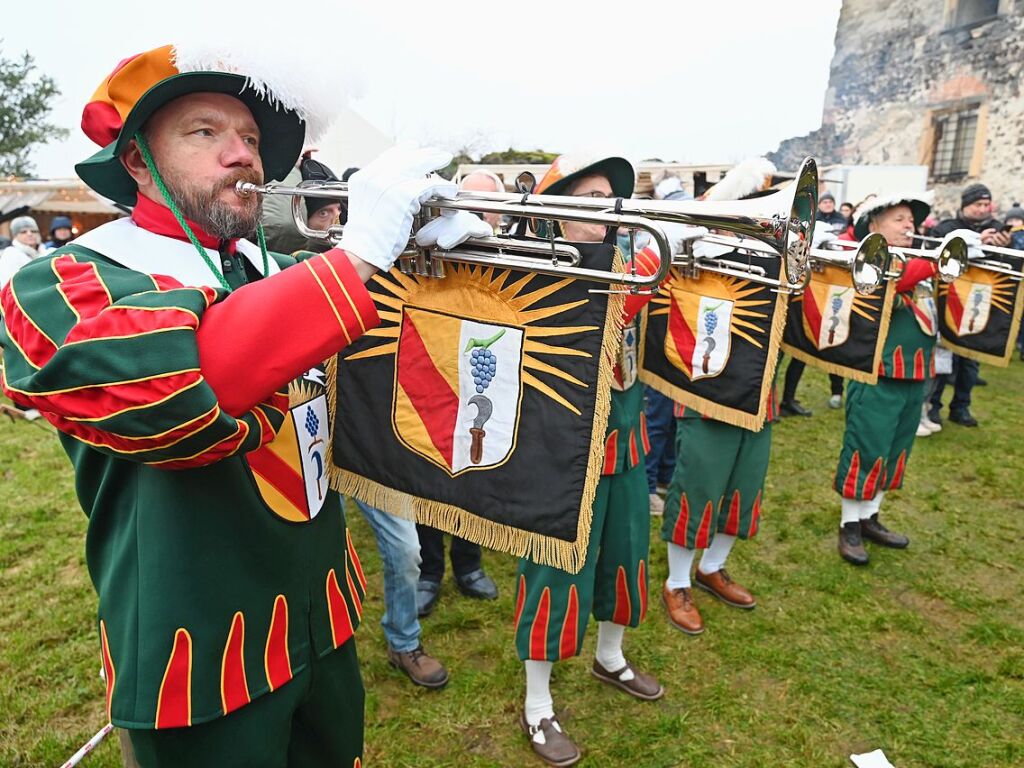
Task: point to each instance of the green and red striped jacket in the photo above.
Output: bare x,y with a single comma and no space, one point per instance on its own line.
222,565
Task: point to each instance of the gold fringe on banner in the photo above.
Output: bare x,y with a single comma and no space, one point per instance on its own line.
1002,360
545,550
838,369
717,411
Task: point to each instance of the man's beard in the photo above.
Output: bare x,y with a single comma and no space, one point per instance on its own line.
215,217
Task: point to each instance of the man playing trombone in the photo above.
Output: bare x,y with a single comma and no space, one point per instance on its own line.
554,607
882,420
228,588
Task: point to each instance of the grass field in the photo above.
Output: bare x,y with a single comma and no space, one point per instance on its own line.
921,653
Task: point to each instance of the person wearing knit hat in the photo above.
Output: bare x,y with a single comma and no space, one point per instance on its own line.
882,420
24,247
1013,223
229,588
61,233
975,214
553,607
828,214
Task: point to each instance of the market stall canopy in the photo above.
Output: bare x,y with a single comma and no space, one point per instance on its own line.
53,195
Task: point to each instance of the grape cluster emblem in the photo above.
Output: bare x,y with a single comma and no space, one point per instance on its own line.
835,304
483,364
710,323
977,298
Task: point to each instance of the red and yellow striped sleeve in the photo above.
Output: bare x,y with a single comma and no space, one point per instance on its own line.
316,308
109,356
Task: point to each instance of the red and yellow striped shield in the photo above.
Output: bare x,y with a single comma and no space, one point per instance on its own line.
699,335
826,311
291,471
458,389
969,301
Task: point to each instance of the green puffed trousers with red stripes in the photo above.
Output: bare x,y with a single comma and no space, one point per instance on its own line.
881,423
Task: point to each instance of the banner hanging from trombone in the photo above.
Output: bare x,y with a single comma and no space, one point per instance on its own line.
980,313
711,342
480,403
836,329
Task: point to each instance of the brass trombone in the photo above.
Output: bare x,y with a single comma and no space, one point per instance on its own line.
783,220
869,265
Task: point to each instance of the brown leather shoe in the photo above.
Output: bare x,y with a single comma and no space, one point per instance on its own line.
549,742
422,669
721,585
851,546
640,685
872,530
682,611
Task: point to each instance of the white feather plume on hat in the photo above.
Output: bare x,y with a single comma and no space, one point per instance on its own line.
880,202
290,79
744,179
920,204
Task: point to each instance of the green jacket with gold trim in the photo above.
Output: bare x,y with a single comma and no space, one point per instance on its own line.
220,555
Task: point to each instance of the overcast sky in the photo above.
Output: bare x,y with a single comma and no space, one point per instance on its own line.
687,81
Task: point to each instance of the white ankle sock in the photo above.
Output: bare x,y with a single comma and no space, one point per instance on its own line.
871,507
609,648
680,560
852,511
714,557
538,691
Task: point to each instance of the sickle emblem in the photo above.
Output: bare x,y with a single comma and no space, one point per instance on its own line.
484,409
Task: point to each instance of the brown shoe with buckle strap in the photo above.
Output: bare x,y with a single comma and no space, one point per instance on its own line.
721,585
422,669
549,742
682,611
639,685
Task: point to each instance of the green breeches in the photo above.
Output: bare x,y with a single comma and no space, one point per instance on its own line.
881,423
553,607
717,483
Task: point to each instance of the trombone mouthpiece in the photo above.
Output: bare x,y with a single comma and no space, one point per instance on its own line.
246,188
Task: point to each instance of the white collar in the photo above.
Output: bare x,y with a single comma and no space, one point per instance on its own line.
138,249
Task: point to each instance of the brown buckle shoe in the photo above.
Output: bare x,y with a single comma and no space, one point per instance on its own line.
549,742
422,669
682,611
640,685
721,585
872,530
851,546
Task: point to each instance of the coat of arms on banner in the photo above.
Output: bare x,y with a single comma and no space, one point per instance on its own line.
480,403
711,342
968,305
292,471
699,333
826,315
702,318
979,313
458,389
832,327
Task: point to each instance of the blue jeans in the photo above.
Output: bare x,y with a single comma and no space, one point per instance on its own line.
661,432
399,548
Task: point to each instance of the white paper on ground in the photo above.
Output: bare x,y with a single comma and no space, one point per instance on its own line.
876,759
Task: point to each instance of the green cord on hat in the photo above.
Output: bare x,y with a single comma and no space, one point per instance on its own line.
147,158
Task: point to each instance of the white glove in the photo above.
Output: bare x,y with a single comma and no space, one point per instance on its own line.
452,228
973,240
385,196
705,250
667,186
822,237
677,235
